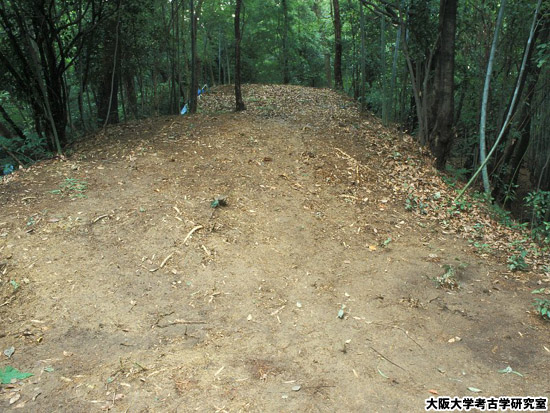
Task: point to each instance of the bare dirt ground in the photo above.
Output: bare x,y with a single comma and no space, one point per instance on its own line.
133,294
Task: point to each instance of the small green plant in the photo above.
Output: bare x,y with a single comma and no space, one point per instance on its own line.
72,187
479,229
481,247
396,155
455,175
412,203
448,279
387,242
517,261
15,285
542,305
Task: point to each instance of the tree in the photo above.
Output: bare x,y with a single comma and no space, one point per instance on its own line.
194,85
107,100
363,58
43,41
239,104
338,79
286,71
483,116
442,118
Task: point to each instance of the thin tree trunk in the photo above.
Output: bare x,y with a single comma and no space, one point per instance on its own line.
10,122
383,70
338,79
239,104
485,99
286,71
509,115
363,59
194,86
394,74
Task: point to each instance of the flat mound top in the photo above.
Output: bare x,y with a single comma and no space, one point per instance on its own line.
293,257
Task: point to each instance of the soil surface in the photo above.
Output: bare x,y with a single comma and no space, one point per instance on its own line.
272,260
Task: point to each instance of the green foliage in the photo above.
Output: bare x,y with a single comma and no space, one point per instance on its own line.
413,203
481,247
539,202
14,284
455,175
542,305
542,55
517,262
72,187
10,374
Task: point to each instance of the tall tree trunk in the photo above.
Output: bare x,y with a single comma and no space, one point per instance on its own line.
318,13
512,104
516,149
483,120
107,101
394,74
383,70
194,86
338,79
239,104
363,58
441,134
286,70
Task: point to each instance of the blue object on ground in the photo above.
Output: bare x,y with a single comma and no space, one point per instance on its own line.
185,109
8,169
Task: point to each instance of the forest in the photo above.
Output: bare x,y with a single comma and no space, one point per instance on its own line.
468,79
274,205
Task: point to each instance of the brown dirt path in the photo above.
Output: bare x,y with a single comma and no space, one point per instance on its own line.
119,308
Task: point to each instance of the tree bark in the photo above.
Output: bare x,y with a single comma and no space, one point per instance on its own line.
239,104
441,136
107,101
194,86
286,70
363,58
338,79
483,121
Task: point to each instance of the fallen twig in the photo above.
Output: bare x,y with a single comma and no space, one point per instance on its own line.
387,359
100,217
166,260
191,232
9,301
178,321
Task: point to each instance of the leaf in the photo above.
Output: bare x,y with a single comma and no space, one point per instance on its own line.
539,291
382,374
48,369
10,373
508,370
475,390
15,398
9,351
